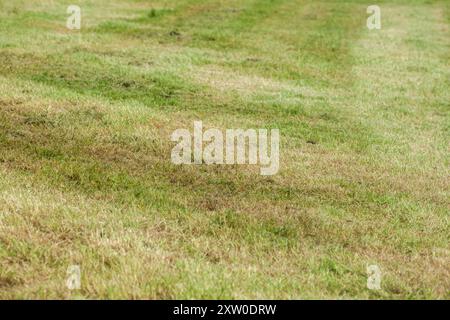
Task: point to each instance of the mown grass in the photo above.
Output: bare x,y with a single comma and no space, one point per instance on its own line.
86,177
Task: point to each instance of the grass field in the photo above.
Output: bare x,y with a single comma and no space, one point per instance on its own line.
85,171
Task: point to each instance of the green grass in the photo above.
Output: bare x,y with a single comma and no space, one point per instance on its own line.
85,171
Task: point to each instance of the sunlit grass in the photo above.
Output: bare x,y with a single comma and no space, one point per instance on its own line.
85,171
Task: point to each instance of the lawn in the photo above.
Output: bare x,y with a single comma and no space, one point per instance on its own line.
86,177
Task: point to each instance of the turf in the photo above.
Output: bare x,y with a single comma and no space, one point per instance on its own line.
85,171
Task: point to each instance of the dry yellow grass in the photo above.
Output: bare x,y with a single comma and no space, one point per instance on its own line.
85,171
